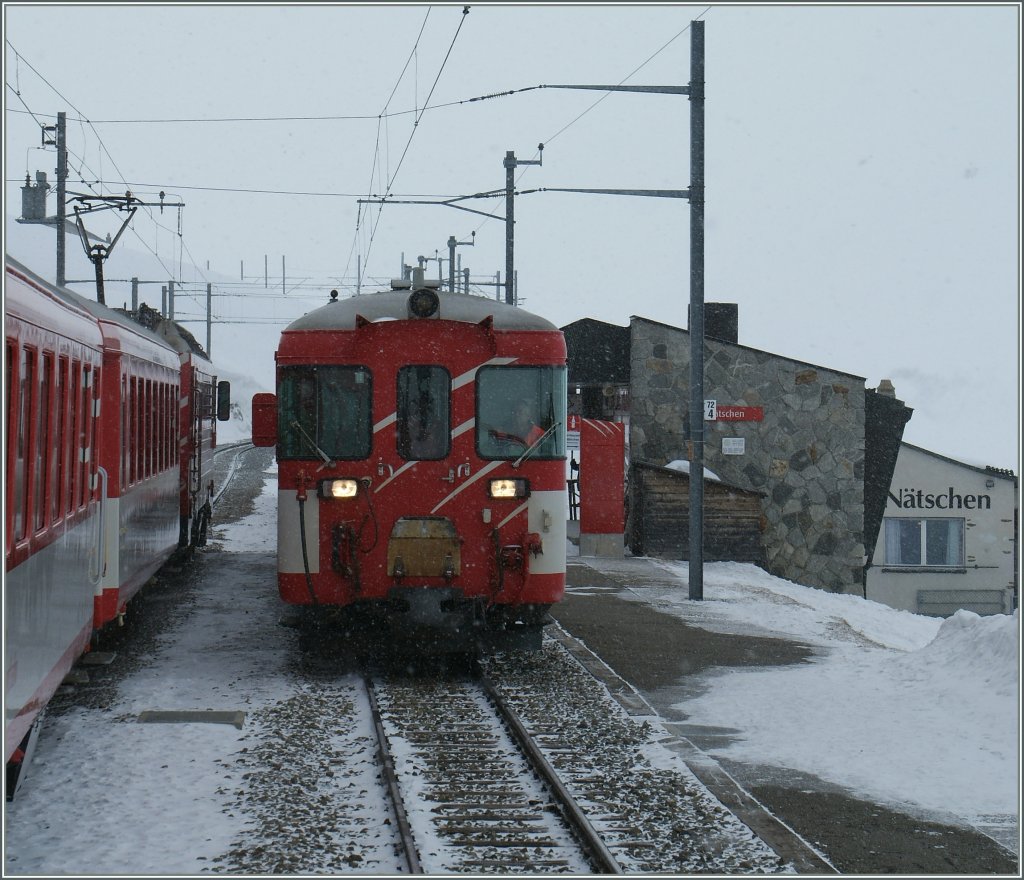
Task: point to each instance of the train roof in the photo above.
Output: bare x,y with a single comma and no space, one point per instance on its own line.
391,305
103,313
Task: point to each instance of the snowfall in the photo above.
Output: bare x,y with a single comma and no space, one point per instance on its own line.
918,713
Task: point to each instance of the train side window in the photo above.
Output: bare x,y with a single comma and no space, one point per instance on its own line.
423,421
41,469
10,439
75,424
59,474
20,498
147,441
94,399
133,431
325,411
124,432
161,426
515,406
85,452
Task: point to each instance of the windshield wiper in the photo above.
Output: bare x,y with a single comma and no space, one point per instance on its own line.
328,461
534,445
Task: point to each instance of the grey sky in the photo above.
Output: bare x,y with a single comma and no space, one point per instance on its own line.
862,169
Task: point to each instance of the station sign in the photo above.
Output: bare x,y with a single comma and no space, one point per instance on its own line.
718,412
572,433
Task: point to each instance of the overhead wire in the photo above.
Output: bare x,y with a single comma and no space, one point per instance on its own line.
415,128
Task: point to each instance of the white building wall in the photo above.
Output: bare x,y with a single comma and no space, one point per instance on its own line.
932,488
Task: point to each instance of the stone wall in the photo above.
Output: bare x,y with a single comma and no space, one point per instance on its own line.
806,456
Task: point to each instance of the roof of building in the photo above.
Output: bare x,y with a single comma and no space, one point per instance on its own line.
750,348
988,470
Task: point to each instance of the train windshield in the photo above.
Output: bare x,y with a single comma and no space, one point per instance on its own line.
515,407
423,424
325,412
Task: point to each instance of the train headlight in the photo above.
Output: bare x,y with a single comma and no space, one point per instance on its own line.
518,487
423,303
339,488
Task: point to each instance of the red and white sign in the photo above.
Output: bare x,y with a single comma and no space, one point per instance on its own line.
739,413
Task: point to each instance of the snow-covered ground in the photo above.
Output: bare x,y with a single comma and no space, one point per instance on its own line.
913,712
906,710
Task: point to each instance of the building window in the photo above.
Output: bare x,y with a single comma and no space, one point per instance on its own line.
924,543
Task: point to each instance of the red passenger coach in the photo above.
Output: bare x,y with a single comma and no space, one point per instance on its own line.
421,465
54,363
108,444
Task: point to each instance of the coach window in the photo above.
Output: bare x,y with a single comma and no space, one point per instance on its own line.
924,543
20,500
86,422
41,471
423,425
515,407
325,412
74,428
59,471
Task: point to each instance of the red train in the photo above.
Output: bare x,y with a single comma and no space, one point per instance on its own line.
110,431
421,465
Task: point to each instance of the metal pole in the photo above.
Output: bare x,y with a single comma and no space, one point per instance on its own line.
451,264
283,291
62,176
97,259
510,173
209,319
135,295
465,280
170,300
163,300
697,310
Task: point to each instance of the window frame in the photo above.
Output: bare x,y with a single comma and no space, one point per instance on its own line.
403,443
923,565
284,453
559,437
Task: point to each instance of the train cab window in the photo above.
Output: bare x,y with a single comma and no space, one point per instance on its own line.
516,407
423,424
325,412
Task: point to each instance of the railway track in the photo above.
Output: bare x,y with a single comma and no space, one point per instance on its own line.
524,765
468,791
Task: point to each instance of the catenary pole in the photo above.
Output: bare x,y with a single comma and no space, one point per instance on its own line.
696,322
62,178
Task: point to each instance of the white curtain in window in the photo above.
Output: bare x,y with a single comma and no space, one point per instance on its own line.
955,542
892,542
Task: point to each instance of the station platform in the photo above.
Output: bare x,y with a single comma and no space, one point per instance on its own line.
652,662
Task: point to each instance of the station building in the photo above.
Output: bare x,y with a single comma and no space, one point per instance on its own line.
948,538
814,443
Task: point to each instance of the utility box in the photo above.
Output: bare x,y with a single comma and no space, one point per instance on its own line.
33,198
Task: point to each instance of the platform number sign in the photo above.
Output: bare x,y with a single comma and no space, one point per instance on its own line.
710,410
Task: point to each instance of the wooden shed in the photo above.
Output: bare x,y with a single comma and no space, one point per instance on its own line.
660,517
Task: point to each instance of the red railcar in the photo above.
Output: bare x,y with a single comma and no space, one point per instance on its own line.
95,456
421,464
